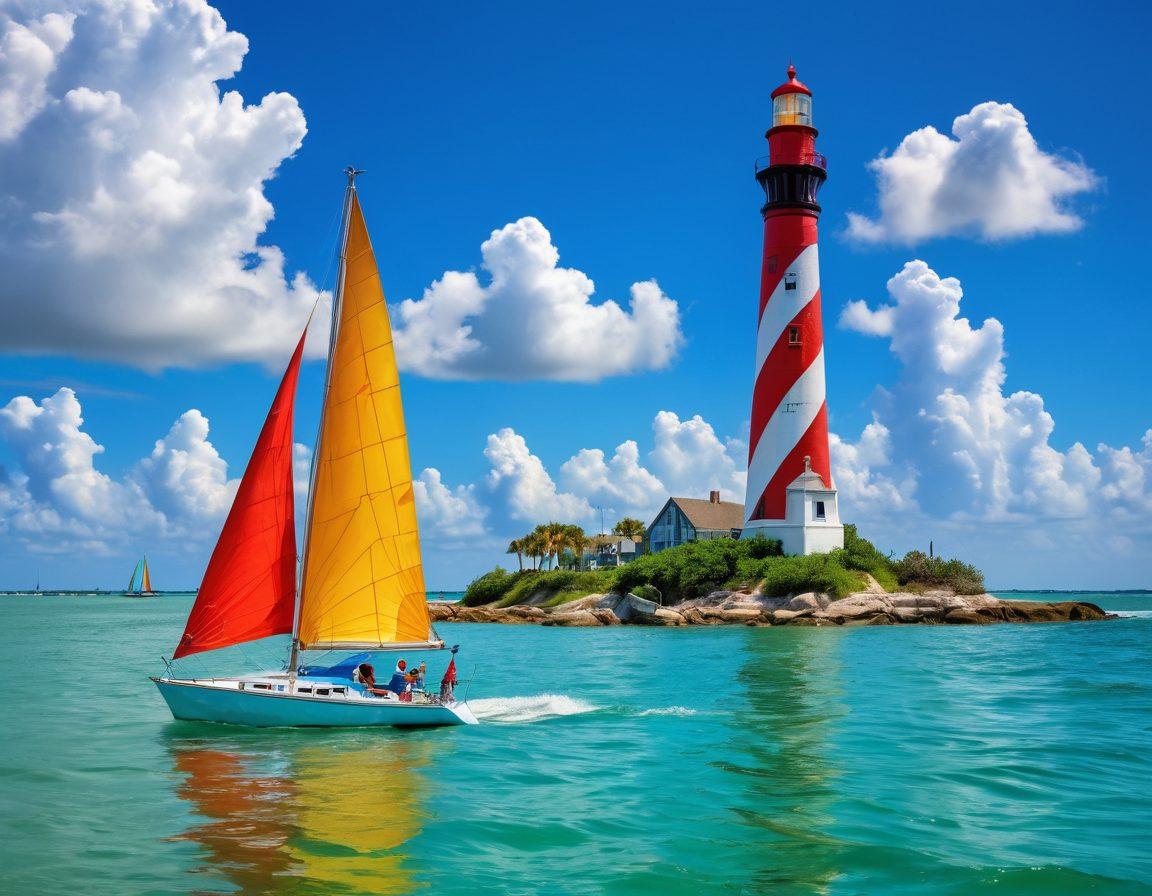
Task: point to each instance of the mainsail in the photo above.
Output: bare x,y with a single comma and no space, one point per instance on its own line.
363,582
145,579
249,588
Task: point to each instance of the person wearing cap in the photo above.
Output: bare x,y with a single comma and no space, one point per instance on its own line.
399,678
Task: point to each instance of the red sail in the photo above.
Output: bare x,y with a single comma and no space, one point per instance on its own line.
249,589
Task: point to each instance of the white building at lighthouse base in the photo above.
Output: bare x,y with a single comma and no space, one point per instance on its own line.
811,523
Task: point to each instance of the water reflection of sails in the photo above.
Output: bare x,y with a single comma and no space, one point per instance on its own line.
296,815
792,690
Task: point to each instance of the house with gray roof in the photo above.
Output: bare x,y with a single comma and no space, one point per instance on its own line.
694,519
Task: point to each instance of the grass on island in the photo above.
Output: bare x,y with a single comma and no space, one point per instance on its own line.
700,567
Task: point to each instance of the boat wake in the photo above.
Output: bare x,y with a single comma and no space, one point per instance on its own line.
678,711
528,709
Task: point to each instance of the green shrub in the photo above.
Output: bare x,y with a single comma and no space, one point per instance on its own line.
760,547
559,586
687,571
780,576
917,569
489,587
648,592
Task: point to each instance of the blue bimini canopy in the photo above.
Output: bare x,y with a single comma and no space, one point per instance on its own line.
342,670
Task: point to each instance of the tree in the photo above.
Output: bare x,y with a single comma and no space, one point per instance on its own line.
553,536
629,527
576,541
516,546
534,547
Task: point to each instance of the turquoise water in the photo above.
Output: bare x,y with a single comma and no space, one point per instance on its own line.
918,760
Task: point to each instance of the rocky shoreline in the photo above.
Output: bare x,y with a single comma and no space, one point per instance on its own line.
873,607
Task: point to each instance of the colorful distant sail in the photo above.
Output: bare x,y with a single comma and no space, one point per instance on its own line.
363,582
135,573
249,588
145,579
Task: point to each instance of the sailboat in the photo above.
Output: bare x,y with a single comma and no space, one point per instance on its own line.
359,587
145,587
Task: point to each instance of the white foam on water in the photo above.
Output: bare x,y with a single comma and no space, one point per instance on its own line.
528,709
678,711
1132,614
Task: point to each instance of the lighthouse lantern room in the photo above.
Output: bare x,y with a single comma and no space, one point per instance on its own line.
791,495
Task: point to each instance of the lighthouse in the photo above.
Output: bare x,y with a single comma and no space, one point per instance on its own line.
791,495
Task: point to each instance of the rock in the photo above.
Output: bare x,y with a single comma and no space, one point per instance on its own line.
913,615
862,604
588,602
525,612
624,606
741,615
1082,610
662,616
578,619
696,616
787,617
808,601
871,586
881,619
606,617
966,617
441,610
474,614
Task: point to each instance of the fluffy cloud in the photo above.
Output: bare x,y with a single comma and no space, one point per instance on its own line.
518,492
132,188
532,320
948,443
447,512
521,486
989,179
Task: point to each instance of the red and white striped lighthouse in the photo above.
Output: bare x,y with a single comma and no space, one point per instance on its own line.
790,492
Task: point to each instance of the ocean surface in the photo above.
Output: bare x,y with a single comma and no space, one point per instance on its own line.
919,760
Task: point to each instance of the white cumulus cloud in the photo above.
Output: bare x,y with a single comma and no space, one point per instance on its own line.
532,319
132,188
948,441
989,179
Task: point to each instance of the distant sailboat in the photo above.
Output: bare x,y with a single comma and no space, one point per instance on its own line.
145,588
361,585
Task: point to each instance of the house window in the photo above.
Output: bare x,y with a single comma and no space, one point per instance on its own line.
790,281
793,335
820,515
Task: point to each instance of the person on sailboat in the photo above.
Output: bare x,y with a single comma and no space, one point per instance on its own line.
366,675
399,678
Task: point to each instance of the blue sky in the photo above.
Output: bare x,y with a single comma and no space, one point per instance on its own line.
630,135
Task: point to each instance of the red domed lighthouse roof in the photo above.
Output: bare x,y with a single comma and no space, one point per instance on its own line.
791,85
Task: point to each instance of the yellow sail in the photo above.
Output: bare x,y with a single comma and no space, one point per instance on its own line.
363,582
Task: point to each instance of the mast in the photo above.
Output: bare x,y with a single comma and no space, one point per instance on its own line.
333,332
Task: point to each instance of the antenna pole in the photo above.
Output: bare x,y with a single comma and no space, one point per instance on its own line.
333,334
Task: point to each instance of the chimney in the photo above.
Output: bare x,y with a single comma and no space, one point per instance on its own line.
714,496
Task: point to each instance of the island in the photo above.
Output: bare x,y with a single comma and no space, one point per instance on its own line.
750,582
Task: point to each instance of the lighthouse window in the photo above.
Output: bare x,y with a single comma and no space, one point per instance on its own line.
771,264
793,335
820,511
792,108
790,280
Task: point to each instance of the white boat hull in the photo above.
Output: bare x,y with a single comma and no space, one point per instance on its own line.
234,702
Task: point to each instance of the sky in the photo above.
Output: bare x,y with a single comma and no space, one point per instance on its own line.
564,213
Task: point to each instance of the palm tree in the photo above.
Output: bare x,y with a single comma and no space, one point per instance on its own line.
629,526
534,547
516,546
576,541
552,535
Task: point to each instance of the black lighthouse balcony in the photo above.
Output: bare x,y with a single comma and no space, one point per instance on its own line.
792,185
